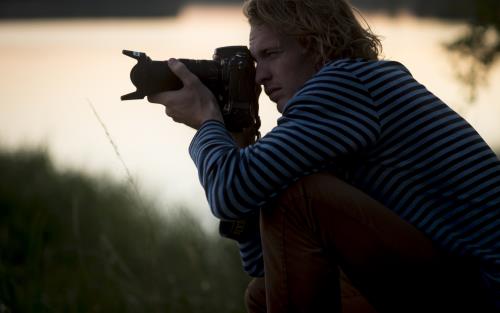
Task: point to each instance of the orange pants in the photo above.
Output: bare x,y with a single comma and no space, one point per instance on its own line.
321,225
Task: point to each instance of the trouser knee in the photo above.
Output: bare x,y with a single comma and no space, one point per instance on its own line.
299,201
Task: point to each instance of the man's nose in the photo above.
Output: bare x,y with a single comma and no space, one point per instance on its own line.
261,75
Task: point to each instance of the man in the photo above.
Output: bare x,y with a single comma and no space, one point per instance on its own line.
367,172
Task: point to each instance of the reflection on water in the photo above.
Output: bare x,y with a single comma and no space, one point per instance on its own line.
51,69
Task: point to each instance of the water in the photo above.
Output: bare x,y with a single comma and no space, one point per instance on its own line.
51,69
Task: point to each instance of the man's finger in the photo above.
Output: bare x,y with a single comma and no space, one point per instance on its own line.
161,97
155,98
181,71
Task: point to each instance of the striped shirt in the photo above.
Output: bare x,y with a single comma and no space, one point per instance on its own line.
383,132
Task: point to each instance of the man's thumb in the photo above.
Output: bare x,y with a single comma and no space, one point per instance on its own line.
181,71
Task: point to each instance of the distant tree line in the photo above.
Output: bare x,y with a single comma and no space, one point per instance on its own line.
87,8
453,9
116,8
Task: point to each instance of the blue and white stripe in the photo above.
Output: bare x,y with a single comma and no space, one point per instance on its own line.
389,136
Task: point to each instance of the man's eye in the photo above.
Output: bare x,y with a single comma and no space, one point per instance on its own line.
271,52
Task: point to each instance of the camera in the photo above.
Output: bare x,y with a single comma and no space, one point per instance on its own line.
230,75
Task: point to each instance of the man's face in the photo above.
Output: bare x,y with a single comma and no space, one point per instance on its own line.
283,64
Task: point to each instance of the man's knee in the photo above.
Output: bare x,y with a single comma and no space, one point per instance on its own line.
304,188
296,204
308,187
320,190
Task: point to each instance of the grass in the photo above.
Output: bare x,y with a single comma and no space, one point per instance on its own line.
74,243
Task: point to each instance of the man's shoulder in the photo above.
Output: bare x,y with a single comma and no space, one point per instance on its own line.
362,67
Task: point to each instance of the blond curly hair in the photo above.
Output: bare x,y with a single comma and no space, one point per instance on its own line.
329,27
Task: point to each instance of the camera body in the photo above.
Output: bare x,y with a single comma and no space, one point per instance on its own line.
230,75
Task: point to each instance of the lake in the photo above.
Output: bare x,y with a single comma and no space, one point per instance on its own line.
52,69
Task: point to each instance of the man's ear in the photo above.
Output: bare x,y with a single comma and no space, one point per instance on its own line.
311,50
306,44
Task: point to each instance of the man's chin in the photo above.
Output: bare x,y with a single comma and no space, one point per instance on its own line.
280,105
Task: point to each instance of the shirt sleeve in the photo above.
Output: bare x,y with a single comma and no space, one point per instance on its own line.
332,115
251,255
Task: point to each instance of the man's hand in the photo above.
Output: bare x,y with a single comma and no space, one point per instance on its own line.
193,104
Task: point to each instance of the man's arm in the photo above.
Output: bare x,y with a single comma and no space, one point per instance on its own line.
318,125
